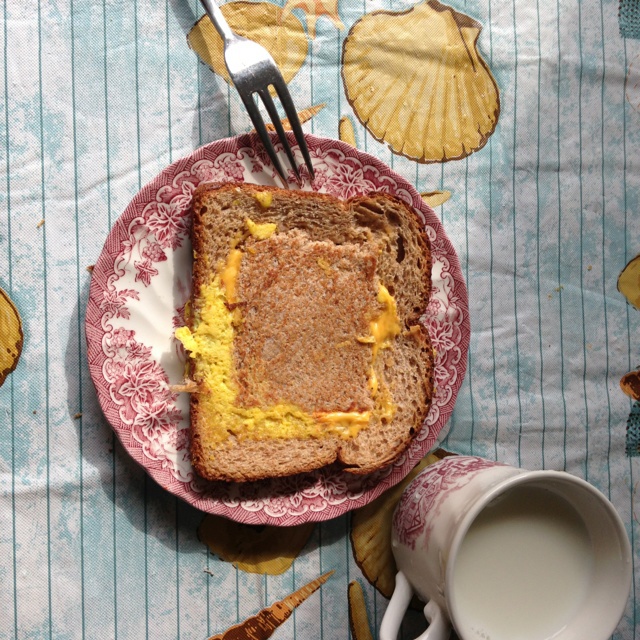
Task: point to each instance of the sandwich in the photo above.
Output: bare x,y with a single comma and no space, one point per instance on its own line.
303,333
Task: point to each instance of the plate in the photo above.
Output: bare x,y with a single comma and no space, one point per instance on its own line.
139,288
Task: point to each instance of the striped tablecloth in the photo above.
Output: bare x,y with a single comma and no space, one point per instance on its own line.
97,97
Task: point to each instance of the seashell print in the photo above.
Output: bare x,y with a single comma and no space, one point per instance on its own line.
629,282
254,549
416,81
346,131
314,9
11,336
267,620
265,23
358,618
435,198
630,384
304,116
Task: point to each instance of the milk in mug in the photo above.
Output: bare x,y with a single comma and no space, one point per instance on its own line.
523,568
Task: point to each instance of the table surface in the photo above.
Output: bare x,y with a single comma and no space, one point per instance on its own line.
98,97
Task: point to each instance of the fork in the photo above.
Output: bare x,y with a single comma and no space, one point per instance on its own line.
253,70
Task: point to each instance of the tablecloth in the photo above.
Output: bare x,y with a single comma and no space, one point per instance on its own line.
98,97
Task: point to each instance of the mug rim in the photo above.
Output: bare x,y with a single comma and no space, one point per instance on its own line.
524,478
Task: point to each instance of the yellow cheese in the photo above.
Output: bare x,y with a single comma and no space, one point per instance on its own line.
345,423
324,265
386,327
265,198
231,269
261,231
230,274
384,330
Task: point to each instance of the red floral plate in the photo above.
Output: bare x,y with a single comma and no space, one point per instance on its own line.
138,290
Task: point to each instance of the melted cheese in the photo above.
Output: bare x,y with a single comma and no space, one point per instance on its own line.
386,327
230,273
261,231
384,330
265,198
345,423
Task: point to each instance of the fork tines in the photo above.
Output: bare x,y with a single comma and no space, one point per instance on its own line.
289,108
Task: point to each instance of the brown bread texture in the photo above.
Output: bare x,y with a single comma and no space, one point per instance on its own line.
305,295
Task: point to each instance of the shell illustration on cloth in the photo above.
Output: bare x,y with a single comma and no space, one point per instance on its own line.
629,287
358,619
252,549
314,9
11,337
267,24
630,384
267,620
629,282
416,81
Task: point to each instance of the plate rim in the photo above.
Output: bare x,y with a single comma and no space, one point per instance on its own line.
159,475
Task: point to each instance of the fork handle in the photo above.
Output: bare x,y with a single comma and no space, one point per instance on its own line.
219,21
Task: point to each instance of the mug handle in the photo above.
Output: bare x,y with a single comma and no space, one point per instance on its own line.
439,628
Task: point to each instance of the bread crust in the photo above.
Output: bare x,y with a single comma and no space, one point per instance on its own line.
403,266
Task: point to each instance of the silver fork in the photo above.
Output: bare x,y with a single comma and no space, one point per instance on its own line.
253,70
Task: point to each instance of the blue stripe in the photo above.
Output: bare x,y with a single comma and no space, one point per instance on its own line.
514,226
311,88
581,244
293,588
491,291
208,593
136,57
46,318
544,431
10,292
113,437
559,266
166,9
76,192
146,555
604,262
237,592
632,524
229,108
320,526
177,502
467,278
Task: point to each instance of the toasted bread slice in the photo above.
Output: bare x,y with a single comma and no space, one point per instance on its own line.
304,335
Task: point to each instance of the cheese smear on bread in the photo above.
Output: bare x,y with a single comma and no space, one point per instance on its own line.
210,346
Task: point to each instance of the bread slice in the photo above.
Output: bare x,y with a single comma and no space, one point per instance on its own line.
308,348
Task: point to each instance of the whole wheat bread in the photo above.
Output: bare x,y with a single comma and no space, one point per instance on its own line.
307,296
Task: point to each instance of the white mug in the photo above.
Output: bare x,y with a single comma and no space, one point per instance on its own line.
501,553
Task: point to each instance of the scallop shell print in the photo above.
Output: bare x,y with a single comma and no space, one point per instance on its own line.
265,23
416,81
11,336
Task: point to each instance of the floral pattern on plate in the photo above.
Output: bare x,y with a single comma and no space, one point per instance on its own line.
138,291
421,502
